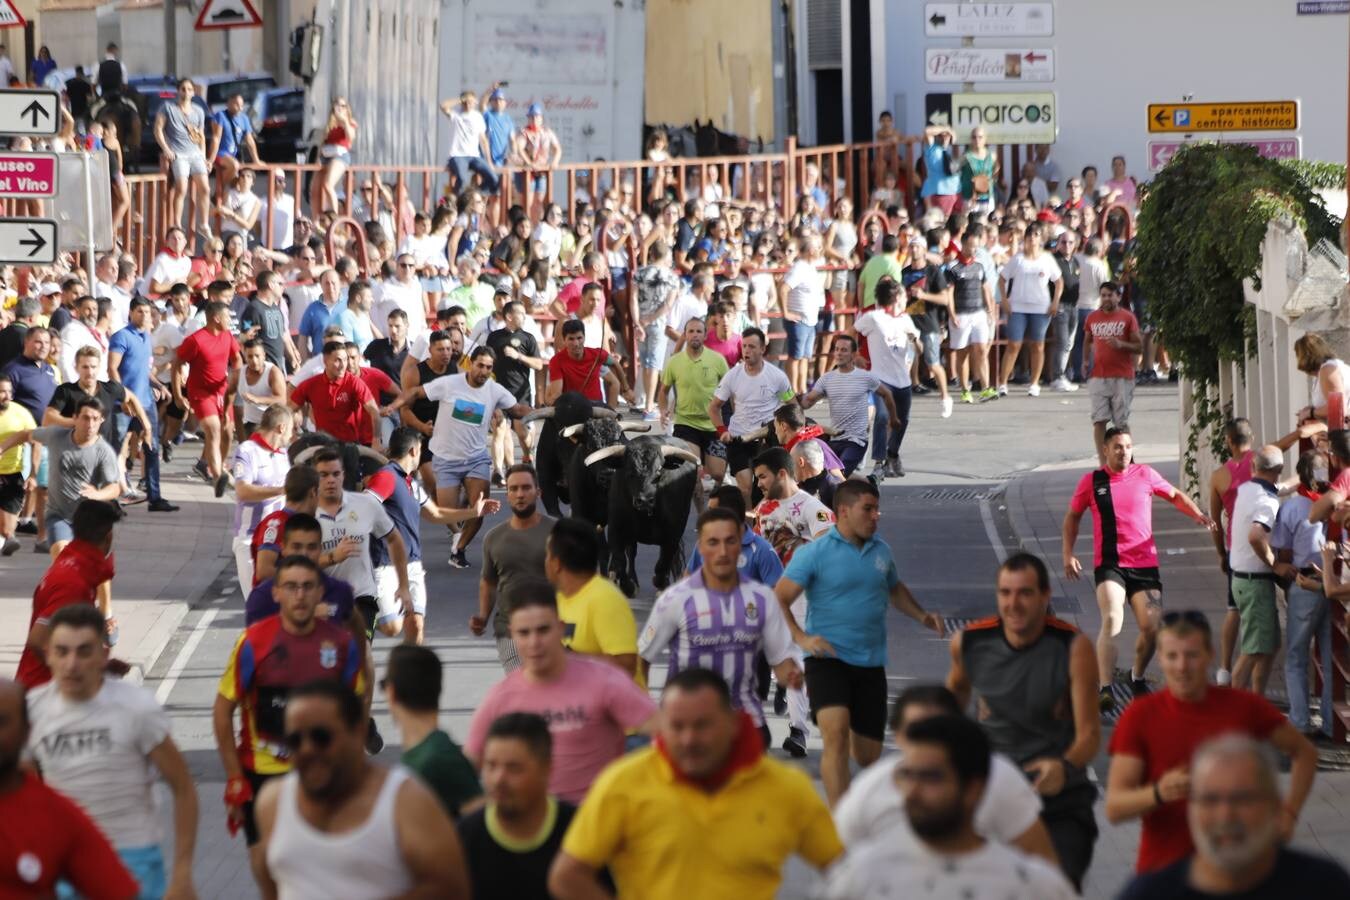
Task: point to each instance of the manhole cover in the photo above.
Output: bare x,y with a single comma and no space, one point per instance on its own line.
959,495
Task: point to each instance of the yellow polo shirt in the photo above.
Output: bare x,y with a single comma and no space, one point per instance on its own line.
664,839
598,620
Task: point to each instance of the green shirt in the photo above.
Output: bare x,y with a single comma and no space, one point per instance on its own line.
883,265
694,380
477,300
441,763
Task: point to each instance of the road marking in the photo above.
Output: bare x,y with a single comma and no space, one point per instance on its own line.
184,654
987,516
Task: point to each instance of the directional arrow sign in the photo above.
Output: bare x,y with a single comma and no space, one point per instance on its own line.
988,19
1192,118
29,112
28,174
961,65
28,241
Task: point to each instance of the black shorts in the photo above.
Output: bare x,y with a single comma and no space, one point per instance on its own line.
1133,580
256,782
11,493
1232,601
741,454
174,411
860,689
706,441
369,608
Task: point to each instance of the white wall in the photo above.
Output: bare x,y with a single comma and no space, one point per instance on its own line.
1112,60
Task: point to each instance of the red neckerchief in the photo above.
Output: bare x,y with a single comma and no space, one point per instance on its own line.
257,438
807,433
1314,496
745,752
169,253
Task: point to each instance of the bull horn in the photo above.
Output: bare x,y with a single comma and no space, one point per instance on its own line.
544,413
368,453
667,452
681,444
605,453
636,426
571,430
304,456
758,434
603,412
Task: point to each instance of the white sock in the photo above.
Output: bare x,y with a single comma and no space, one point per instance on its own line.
1135,676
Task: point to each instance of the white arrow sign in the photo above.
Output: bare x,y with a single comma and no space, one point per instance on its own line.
988,19
29,112
28,241
958,65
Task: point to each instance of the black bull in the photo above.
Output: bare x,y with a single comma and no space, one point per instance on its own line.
560,436
650,496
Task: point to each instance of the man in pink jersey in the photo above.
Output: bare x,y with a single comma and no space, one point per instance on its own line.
1120,495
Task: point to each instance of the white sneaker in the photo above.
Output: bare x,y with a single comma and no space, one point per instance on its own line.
946,407
1003,390
1033,390
652,415
1063,385
1223,677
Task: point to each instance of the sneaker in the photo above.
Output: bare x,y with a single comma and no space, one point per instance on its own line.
458,560
795,743
166,452
143,486
26,526
967,397
897,468
879,472
918,389
1003,390
1106,701
199,469
129,497
161,505
11,547
989,394
652,415
946,407
1139,687
1063,385
374,741
223,483
779,700
1033,390
498,480
42,547
1223,677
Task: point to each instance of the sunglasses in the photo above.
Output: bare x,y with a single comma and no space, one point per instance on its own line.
1189,616
319,736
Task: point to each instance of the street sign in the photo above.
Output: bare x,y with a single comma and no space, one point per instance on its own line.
979,64
27,174
1323,7
988,19
1189,118
219,15
1006,118
28,241
10,17
1161,152
36,113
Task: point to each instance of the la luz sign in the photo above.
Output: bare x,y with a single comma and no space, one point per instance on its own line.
978,64
988,19
1024,118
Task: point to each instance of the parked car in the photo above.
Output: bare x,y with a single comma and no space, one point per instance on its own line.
278,117
217,89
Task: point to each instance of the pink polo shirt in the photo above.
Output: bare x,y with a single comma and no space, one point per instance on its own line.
1131,513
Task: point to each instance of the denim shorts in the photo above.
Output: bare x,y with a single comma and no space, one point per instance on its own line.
618,279
801,339
932,347
652,348
1028,326
540,183
59,530
454,472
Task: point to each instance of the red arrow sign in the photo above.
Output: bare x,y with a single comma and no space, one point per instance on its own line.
1034,57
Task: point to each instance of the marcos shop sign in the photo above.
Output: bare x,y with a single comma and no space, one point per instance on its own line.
1021,118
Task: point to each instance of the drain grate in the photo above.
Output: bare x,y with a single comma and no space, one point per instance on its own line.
959,495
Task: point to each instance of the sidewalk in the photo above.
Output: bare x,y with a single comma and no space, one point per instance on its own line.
1033,507
165,561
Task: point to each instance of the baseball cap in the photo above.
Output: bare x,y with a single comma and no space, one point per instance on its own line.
534,110
505,286
49,288
1047,215
496,94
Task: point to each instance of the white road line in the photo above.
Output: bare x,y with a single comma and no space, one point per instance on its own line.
987,516
184,654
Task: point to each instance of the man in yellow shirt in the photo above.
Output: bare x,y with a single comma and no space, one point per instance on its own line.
701,813
597,619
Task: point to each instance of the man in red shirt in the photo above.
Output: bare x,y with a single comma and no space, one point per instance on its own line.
74,577
580,368
211,354
380,385
1110,339
568,300
45,837
1157,735
337,398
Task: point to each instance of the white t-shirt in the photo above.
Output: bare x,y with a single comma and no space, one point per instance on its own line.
360,516
756,396
168,337
848,393
806,290
1092,274
550,240
242,204
96,753
166,269
873,806
763,296
308,369
462,425
465,130
283,222
686,308
429,249
1030,280
121,305
252,463
993,872
407,297
890,344
298,299
1257,503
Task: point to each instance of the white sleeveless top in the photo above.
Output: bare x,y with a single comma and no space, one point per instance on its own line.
253,412
361,864
1318,399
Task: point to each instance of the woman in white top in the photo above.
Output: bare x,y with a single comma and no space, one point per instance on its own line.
801,297
1330,375
428,252
239,211
1029,287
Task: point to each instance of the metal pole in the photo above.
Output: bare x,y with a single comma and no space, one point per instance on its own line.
171,37
88,212
225,54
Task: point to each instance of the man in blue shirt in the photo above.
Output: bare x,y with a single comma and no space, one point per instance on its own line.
758,561
850,577
501,128
129,365
324,311
231,136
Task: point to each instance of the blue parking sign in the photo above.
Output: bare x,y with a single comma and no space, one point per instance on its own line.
1181,117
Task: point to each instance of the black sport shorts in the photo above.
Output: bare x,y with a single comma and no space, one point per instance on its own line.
1133,580
256,782
706,441
741,454
11,493
861,689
